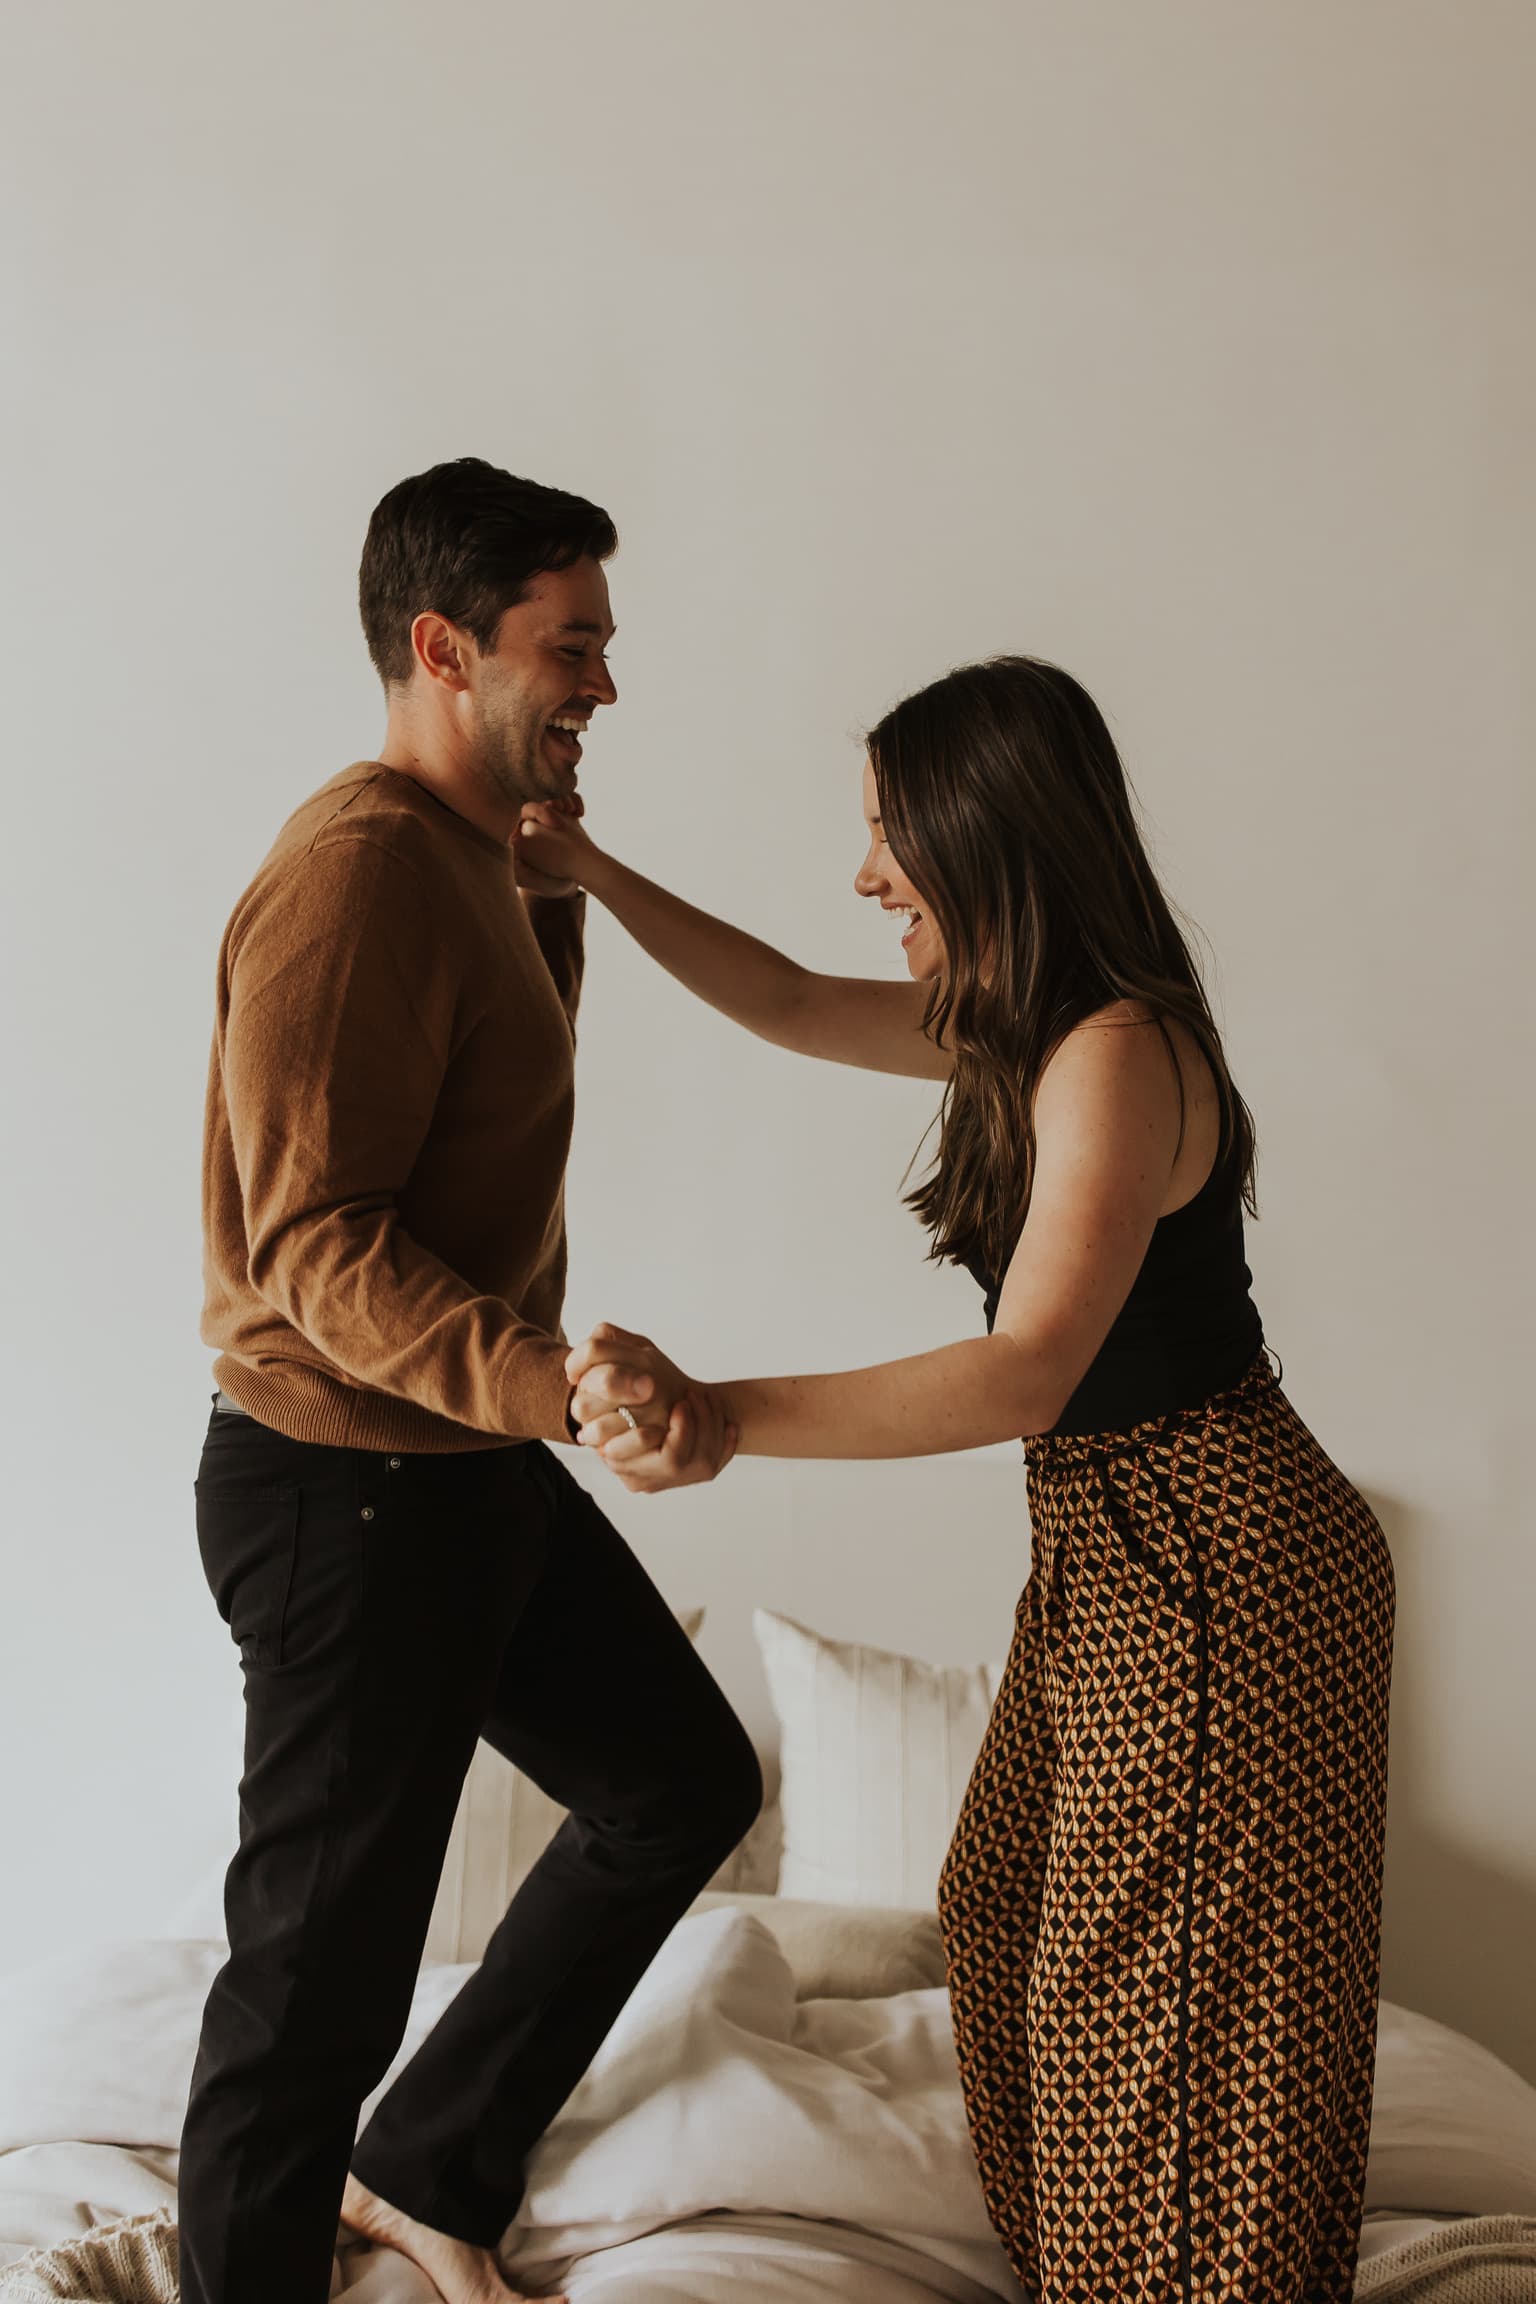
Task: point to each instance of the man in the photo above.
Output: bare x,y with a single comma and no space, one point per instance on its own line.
403,1563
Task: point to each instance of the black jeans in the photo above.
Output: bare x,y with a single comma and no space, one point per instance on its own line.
389,1611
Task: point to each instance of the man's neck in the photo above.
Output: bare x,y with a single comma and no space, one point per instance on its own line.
442,768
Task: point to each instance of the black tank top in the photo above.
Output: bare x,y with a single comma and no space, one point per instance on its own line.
1189,1327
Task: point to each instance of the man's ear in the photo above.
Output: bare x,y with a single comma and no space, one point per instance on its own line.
440,649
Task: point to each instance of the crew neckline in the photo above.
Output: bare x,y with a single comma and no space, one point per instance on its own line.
441,811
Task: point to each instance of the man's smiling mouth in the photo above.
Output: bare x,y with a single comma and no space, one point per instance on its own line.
568,729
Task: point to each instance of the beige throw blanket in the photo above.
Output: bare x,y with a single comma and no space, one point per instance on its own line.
1476,2260
133,2261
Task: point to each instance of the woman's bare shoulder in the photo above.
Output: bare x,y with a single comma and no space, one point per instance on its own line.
1142,1071
1134,1025
1124,1035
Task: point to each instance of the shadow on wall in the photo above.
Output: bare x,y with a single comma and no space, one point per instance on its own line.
1457,1932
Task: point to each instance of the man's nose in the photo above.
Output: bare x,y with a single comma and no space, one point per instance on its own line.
601,687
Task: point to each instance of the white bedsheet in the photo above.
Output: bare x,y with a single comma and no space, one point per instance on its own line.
833,2128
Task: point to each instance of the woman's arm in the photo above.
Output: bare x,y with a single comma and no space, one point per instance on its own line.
844,1019
1107,1134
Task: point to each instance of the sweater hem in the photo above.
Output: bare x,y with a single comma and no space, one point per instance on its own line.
306,1404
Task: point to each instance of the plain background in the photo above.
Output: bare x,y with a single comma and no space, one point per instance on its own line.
1188,345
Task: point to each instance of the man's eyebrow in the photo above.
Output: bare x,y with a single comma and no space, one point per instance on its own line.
602,631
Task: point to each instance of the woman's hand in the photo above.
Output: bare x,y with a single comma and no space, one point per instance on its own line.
643,1415
616,1370
699,1442
647,1420
553,851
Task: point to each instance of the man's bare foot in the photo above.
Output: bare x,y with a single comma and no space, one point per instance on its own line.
461,2274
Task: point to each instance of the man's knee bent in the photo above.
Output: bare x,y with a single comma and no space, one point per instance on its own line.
709,1807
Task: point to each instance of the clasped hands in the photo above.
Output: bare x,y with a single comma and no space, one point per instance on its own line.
681,1431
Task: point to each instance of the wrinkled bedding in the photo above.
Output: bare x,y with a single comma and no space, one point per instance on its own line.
725,2125
730,2138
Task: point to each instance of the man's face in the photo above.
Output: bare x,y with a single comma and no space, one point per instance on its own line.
534,692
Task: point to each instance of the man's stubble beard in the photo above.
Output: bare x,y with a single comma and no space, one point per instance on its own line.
508,753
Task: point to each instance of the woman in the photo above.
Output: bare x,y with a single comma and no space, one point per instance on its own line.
1161,1906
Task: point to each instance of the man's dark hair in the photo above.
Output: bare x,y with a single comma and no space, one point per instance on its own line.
465,539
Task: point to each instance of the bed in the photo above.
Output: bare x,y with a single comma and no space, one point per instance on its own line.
776,2115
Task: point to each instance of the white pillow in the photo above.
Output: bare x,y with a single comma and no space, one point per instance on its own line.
503,1826
752,1868
875,1756
1453,2131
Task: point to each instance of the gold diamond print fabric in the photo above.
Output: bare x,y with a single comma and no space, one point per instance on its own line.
1161,1908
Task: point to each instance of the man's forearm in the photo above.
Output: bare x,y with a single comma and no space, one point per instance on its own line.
391,1315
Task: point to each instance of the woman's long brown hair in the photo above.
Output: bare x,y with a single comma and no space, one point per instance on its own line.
1004,801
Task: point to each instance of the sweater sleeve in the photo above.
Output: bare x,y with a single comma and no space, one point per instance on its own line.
558,924
336,1039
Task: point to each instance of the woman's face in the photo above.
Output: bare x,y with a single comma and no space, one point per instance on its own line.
880,875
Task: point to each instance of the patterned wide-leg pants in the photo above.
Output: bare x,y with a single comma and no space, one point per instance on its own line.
1161,1909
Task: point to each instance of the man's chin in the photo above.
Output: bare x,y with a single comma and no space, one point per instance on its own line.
549,785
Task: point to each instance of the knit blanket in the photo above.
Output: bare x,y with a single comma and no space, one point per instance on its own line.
1476,2260
132,2261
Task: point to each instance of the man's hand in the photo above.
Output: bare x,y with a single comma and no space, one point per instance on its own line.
700,1441
680,1429
615,1369
552,852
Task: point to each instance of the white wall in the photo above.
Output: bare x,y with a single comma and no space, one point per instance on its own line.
1189,345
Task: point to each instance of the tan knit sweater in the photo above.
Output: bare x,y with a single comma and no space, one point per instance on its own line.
388,1120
